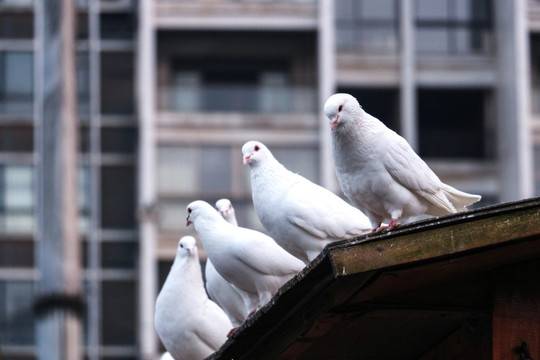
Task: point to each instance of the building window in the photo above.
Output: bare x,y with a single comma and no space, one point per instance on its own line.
223,71
300,160
184,170
237,85
16,253
83,84
367,26
118,140
454,26
117,85
118,197
16,199
119,255
16,25
83,30
17,139
16,314
452,124
118,320
117,26
16,83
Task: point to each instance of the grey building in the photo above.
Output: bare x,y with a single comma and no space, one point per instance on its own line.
169,91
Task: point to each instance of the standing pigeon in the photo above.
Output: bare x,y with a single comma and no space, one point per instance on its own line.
248,259
380,172
220,290
301,216
190,325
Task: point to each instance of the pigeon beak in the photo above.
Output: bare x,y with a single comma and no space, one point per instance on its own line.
334,122
246,159
188,222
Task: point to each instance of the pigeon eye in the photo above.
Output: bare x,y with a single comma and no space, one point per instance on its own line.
340,108
257,148
189,210
182,246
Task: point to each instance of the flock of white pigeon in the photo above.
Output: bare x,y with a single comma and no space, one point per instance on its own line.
378,172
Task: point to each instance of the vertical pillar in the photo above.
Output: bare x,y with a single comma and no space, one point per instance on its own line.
513,101
146,78
58,305
327,86
408,65
93,279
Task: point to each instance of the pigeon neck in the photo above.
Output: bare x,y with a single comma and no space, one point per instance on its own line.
211,227
231,219
185,279
361,129
269,169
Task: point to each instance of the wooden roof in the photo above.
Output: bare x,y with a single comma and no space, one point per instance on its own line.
421,289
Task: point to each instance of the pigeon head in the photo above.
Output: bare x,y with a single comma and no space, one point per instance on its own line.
255,152
198,210
187,246
224,207
340,108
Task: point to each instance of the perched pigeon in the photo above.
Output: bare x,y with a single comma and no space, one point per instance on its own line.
190,325
379,171
225,208
248,259
220,290
299,215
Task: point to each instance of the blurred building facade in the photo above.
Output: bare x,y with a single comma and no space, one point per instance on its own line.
169,91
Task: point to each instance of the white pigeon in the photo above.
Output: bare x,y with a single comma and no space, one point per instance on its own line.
166,356
189,324
379,171
220,290
299,215
248,259
225,208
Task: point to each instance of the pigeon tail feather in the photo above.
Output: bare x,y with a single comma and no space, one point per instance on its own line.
460,199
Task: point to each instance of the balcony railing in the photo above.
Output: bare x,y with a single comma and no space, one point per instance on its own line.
239,99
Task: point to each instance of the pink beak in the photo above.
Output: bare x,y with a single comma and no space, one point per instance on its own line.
188,222
246,159
334,122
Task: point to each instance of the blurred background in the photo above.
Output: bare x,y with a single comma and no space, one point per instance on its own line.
169,90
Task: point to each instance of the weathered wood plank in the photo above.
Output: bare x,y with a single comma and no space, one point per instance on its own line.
516,311
428,243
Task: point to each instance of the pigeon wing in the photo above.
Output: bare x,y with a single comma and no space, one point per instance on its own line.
323,214
211,336
264,256
409,170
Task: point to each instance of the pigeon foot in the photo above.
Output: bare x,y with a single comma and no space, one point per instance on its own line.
229,334
393,224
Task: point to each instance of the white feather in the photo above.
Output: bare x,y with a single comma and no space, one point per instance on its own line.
301,216
248,259
379,171
189,324
220,290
